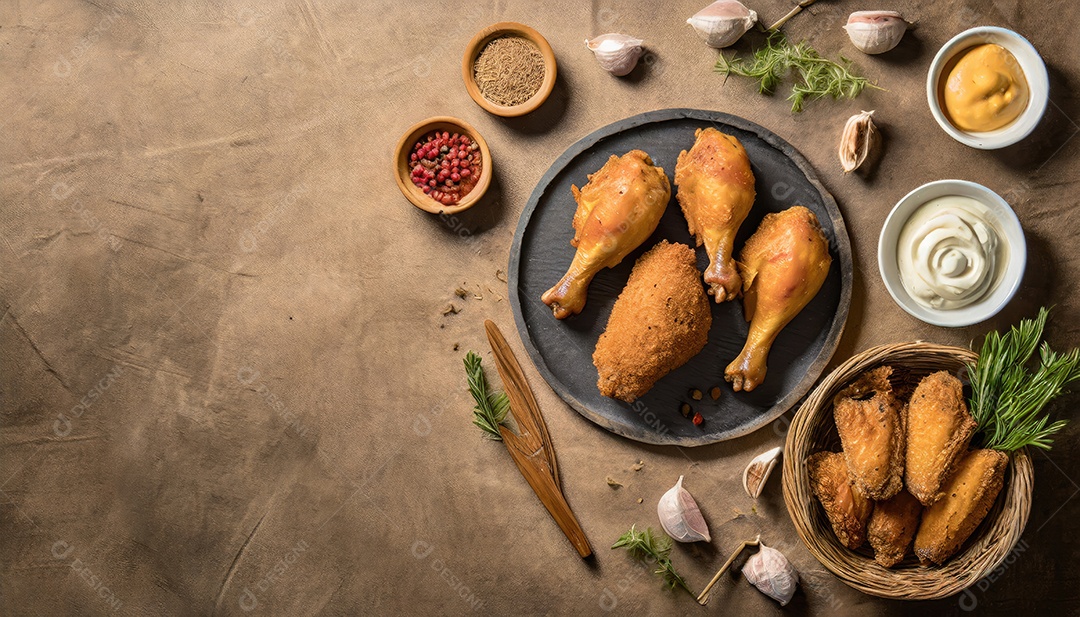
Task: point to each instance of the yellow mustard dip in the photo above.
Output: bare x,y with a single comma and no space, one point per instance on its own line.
986,90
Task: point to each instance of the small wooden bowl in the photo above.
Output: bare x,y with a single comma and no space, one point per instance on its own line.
402,168
813,429
482,38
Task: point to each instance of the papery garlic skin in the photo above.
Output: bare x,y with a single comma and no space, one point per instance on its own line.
859,141
757,472
875,32
771,572
617,54
680,517
723,22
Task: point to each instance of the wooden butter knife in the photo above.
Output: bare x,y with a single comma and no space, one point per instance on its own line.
531,448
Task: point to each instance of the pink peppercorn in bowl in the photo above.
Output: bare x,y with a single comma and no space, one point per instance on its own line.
442,165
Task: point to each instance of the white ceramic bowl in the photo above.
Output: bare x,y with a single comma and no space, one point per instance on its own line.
1013,239
1030,62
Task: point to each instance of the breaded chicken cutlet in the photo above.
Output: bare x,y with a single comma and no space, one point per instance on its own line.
871,430
660,320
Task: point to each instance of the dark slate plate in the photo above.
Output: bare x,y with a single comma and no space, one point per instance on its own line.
562,350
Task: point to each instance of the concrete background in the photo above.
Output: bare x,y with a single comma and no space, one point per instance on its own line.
228,386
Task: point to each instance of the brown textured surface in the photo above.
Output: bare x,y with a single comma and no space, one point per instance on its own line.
208,269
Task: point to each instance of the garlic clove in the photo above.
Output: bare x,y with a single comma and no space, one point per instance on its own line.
723,22
771,572
680,516
617,54
859,142
875,32
757,472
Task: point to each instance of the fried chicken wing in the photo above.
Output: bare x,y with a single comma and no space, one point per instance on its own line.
716,191
783,265
847,509
660,320
892,527
939,428
969,494
617,210
871,430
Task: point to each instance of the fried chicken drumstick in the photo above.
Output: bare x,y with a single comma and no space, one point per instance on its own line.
617,210
716,191
783,265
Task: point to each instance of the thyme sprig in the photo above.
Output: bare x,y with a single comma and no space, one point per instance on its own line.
491,407
643,545
1008,398
816,77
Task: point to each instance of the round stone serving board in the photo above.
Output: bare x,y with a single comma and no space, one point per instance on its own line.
562,350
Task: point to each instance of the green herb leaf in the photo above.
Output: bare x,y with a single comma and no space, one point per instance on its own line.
491,408
1007,398
816,77
644,546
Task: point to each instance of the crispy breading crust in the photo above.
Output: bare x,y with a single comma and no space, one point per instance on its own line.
660,320
871,430
846,508
939,428
969,494
892,527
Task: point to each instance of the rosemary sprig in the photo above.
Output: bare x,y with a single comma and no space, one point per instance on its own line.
816,77
491,407
644,546
1007,399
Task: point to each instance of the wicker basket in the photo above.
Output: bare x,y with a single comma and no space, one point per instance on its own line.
813,429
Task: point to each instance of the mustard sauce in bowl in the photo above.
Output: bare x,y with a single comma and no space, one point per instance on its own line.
986,90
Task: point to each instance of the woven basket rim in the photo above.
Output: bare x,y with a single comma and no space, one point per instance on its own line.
982,553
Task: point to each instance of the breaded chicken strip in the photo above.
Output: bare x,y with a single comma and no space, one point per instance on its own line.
845,507
871,430
892,528
660,320
969,494
939,428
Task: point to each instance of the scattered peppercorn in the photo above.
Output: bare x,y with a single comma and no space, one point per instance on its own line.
715,393
695,394
698,420
684,409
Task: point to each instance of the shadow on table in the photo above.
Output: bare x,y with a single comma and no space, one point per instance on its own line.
1057,127
485,214
548,115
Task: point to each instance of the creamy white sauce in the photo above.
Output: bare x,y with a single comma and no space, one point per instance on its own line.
950,252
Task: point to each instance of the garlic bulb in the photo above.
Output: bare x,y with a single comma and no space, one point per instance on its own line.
680,516
617,54
859,142
875,32
772,574
757,472
723,22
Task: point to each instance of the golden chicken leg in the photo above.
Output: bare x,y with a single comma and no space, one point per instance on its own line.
783,266
618,209
716,191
